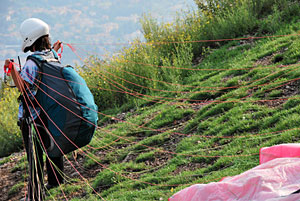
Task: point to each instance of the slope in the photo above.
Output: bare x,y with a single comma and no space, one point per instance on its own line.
151,150
237,97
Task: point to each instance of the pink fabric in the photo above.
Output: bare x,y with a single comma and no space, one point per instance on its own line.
274,180
278,151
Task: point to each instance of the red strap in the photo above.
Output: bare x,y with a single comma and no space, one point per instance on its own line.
71,47
61,50
7,69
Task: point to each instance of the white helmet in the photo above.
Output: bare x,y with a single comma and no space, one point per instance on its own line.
31,30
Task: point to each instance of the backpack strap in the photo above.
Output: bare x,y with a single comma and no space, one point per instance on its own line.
39,60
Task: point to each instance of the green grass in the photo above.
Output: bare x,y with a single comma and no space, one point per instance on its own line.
150,147
259,123
170,161
16,188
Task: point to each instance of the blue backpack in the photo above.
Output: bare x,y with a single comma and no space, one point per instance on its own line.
67,101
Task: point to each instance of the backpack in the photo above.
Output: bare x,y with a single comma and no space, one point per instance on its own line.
67,102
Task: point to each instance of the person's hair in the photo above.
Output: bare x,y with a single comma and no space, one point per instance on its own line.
42,43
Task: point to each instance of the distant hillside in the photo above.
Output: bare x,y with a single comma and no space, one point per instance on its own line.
84,22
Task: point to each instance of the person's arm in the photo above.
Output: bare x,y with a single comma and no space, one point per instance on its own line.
18,80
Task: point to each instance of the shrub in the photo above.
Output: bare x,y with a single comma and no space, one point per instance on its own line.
10,137
141,70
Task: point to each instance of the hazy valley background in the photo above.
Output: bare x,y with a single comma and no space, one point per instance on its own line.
95,23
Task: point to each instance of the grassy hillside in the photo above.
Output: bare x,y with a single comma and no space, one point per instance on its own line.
187,112
178,143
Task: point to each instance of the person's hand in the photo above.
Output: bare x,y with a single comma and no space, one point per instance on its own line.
57,45
6,65
7,61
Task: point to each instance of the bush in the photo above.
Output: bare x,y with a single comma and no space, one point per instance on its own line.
10,137
142,70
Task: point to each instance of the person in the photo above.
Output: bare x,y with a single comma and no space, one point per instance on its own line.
36,39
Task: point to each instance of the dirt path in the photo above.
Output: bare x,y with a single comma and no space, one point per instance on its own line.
10,179
12,182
